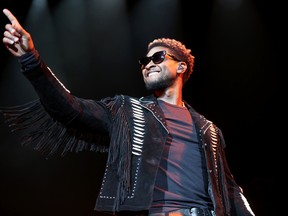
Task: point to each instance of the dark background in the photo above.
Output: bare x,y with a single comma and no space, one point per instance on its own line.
94,46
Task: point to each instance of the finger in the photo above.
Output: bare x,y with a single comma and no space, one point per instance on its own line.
13,49
11,17
10,37
12,30
14,23
8,41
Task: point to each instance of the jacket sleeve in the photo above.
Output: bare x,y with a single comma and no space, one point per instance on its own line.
59,122
238,202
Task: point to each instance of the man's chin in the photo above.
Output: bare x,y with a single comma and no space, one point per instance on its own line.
154,87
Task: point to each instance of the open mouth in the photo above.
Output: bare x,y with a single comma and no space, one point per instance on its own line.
151,73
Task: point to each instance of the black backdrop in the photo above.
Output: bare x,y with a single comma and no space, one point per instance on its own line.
236,83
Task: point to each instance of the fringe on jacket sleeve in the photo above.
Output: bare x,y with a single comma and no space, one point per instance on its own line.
120,149
41,132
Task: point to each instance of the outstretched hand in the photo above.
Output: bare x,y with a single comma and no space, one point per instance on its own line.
16,39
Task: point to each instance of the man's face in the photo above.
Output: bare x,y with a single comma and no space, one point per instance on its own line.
162,75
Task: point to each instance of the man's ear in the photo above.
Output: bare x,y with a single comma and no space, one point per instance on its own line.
182,66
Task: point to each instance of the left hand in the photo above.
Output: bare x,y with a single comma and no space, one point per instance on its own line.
16,39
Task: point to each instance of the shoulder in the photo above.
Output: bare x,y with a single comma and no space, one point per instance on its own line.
117,101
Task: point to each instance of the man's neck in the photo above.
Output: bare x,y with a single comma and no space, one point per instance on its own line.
171,95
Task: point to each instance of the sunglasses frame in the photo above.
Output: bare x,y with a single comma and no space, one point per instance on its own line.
156,58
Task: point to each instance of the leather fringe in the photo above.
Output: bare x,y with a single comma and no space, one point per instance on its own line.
50,137
120,151
44,134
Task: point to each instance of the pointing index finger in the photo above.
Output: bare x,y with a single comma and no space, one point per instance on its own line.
11,17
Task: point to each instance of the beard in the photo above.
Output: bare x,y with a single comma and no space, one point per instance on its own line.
159,84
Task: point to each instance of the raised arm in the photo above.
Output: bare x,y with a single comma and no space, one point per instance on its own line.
58,121
16,39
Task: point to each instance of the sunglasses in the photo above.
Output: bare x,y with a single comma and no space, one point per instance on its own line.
156,58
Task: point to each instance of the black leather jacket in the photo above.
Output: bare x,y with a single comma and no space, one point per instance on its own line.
133,131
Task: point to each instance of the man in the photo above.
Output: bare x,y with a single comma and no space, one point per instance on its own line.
164,158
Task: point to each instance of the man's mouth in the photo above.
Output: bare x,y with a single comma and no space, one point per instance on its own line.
151,73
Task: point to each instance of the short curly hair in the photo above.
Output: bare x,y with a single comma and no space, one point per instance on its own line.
179,50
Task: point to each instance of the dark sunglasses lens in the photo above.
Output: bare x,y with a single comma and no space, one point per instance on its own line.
144,61
158,57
